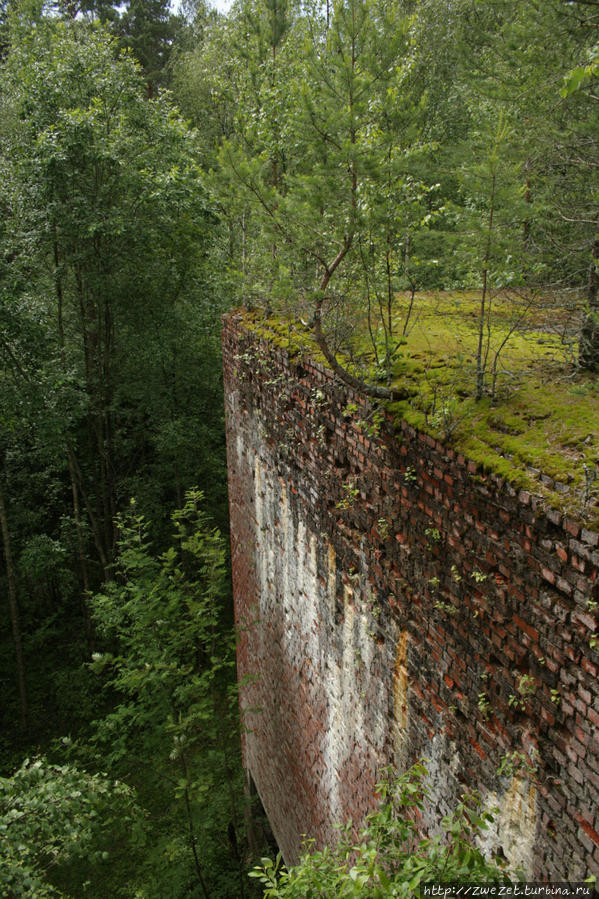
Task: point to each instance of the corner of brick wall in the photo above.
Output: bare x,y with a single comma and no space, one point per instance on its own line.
393,602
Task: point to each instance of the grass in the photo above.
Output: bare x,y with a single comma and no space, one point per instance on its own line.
537,424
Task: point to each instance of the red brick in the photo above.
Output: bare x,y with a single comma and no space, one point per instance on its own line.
527,628
589,537
590,832
478,749
572,527
585,619
562,552
585,695
589,667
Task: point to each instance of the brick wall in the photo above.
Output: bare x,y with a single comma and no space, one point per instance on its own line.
394,602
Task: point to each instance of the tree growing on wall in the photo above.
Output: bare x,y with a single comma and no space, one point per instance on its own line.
466,54
346,205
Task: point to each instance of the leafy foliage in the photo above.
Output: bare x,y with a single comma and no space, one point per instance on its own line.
109,368
109,219
107,327
171,732
162,616
54,816
389,859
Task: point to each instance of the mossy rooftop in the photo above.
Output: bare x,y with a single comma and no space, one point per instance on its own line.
540,429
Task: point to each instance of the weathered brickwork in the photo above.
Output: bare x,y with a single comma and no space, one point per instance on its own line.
394,602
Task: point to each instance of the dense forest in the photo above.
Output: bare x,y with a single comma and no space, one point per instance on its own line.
156,170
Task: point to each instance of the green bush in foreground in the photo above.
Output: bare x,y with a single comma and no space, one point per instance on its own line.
57,819
389,859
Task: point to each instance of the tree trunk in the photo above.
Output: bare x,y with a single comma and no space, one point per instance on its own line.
480,364
74,490
14,612
96,531
253,836
81,554
588,350
192,835
381,393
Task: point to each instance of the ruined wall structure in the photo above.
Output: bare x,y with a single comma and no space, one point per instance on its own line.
394,603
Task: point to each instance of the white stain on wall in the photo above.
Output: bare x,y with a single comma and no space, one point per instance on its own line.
514,828
328,632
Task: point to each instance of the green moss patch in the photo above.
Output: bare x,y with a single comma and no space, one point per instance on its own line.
538,422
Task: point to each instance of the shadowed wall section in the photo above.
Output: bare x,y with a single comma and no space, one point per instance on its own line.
393,602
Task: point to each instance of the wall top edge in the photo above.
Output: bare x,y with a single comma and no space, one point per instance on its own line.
536,497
